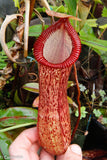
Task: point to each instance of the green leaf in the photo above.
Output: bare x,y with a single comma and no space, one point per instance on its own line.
82,87
36,30
70,101
104,12
17,115
102,93
91,22
104,99
39,9
86,91
17,127
17,99
103,54
71,4
2,63
97,112
32,87
93,96
94,42
70,84
9,45
104,120
87,30
102,21
61,9
95,23
103,111
5,142
88,38
98,1
83,112
3,56
16,2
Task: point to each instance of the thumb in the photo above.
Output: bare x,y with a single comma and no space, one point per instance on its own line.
45,155
73,153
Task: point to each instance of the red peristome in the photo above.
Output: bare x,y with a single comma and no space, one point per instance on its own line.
76,44
56,50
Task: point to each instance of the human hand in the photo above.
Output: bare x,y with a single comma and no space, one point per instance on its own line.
26,146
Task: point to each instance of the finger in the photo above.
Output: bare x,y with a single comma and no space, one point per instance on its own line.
22,154
73,153
33,152
21,146
26,139
45,155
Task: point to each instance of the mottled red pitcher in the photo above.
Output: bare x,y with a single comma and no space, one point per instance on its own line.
56,50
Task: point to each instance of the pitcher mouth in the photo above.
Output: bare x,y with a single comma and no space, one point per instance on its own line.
58,46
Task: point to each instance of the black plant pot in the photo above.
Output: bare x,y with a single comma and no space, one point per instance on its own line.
97,136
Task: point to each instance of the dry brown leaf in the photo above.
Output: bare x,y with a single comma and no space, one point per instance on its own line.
61,15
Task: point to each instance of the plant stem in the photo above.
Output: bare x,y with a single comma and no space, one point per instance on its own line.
32,4
26,31
17,126
79,103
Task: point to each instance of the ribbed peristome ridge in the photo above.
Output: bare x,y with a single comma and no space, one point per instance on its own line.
58,46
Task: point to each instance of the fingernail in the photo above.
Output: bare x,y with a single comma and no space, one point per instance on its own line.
76,149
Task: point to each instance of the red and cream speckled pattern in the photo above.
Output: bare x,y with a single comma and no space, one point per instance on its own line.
57,48
53,116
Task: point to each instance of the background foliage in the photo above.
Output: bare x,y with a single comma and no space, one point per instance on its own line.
19,88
